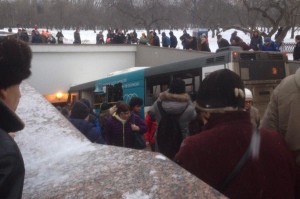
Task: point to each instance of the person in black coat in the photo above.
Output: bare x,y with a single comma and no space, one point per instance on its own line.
256,41
296,53
79,117
60,37
173,40
222,42
77,39
156,39
15,65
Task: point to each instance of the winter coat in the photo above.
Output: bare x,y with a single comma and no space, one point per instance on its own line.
143,40
90,131
244,46
203,45
176,104
173,41
223,43
212,155
24,36
283,112
99,39
270,47
190,43
296,53
36,38
120,134
256,43
166,41
60,38
77,39
156,41
12,168
151,129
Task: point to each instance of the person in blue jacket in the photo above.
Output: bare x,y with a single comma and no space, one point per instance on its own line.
269,45
79,117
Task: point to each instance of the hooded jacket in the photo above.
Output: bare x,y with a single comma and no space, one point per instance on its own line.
118,132
88,129
176,104
283,112
12,169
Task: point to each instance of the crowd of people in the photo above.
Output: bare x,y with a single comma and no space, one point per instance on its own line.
229,148
259,41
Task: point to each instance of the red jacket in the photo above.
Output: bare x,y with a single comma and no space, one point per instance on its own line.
212,155
151,129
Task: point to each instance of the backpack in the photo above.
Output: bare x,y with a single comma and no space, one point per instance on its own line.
168,134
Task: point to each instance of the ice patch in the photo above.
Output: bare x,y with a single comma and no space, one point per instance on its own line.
136,195
161,157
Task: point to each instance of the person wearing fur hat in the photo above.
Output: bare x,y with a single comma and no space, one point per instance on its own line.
227,154
174,101
254,113
15,63
79,117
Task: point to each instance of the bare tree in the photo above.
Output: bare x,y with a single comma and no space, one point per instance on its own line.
276,12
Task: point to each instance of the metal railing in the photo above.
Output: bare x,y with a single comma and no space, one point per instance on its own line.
287,47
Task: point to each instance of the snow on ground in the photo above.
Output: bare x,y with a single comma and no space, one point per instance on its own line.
89,36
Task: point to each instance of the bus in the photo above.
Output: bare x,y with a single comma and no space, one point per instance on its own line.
260,71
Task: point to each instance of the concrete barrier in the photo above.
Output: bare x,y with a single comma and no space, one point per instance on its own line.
61,163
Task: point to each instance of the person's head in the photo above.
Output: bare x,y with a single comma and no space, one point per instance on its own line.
248,99
237,40
86,102
255,33
135,104
297,38
143,34
171,33
221,91
105,106
163,34
79,111
123,110
177,86
219,37
15,63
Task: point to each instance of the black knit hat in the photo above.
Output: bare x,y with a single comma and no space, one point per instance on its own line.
105,106
15,62
86,102
135,101
177,86
79,111
221,90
